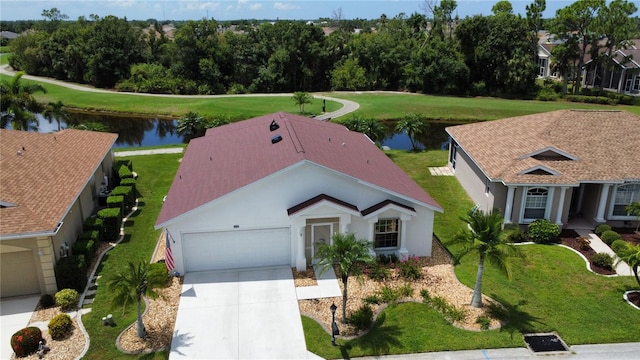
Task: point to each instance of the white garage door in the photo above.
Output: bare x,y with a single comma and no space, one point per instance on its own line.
236,249
19,275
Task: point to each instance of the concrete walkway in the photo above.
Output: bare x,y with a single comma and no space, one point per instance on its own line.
15,313
171,150
600,247
327,286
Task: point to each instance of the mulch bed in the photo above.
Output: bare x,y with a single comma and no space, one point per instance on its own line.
629,235
568,238
634,297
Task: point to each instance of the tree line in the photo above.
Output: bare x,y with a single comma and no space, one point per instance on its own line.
439,54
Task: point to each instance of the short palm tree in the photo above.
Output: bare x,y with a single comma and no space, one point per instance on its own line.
486,236
413,125
136,281
17,104
191,126
55,111
347,253
631,255
634,209
301,98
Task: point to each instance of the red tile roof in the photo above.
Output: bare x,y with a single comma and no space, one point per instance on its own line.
605,146
235,155
46,177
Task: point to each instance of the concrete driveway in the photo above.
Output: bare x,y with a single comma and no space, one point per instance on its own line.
239,314
15,314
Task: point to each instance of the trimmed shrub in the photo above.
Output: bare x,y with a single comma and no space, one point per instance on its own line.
602,228
90,235
127,192
610,236
117,202
602,260
124,173
25,341
619,246
92,223
47,301
71,272
84,247
410,269
363,318
517,236
60,326
547,94
112,221
67,299
542,231
129,182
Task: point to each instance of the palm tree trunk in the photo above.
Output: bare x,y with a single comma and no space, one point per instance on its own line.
141,331
476,299
635,273
344,299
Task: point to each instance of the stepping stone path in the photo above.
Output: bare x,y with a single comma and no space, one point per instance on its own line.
91,293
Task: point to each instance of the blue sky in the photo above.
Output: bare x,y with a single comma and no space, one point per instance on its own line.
245,9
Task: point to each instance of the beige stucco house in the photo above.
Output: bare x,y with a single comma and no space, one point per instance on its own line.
49,183
564,166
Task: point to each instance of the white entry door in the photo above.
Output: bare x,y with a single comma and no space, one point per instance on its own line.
320,234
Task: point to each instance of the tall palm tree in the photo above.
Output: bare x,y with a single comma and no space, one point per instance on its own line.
17,103
347,253
55,111
631,255
301,98
413,125
487,237
634,209
134,283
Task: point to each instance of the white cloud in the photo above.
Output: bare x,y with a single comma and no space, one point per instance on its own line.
285,6
254,7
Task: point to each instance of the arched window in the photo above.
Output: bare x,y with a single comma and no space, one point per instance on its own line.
536,203
625,195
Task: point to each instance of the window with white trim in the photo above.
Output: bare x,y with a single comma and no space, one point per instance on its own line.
386,233
536,203
542,66
625,195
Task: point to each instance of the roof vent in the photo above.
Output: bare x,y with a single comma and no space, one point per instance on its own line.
276,139
274,126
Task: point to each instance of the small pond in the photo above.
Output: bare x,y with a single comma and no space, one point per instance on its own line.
139,131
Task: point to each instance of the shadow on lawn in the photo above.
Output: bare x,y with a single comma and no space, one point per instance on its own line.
378,341
513,318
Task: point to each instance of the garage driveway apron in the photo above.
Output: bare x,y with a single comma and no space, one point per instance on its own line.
239,314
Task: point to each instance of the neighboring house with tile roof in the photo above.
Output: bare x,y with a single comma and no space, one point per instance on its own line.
266,191
560,165
49,184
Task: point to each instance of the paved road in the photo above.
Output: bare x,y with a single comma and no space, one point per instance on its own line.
347,106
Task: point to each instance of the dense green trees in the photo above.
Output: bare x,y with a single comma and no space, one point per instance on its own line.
17,103
478,55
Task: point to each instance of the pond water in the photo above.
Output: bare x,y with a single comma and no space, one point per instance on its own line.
143,131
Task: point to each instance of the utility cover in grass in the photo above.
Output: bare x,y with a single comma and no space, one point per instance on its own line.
545,342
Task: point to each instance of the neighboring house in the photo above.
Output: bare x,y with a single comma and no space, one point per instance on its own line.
8,35
266,191
625,76
49,184
558,165
545,69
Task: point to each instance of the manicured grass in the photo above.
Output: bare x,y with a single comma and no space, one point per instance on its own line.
155,174
395,106
240,107
551,291
4,59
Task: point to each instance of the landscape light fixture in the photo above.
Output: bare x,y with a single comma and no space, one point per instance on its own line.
334,326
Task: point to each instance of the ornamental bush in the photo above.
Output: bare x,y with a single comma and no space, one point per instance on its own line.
517,236
47,301
71,272
67,299
129,182
60,326
84,247
25,341
116,201
619,246
94,223
363,318
112,221
602,260
602,228
410,269
543,231
127,192
610,236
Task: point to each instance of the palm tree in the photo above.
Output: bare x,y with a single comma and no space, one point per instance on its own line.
374,129
413,125
191,126
347,253
487,237
631,255
134,283
17,103
634,209
301,98
55,111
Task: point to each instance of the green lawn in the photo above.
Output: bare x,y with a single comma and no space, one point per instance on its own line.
550,291
155,175
395,106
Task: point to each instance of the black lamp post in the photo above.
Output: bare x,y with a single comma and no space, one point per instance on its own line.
334,326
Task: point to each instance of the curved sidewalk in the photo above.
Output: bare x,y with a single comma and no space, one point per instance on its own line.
600,247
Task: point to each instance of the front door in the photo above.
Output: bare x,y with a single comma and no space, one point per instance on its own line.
320,234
